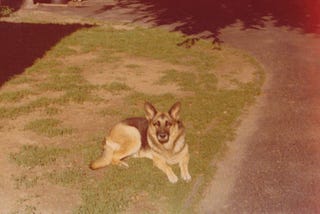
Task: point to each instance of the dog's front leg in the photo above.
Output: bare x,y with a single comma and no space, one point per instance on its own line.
183,164
161,164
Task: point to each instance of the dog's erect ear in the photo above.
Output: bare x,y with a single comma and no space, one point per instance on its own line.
150,110
175,111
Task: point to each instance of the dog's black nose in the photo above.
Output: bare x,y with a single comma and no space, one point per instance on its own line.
164,135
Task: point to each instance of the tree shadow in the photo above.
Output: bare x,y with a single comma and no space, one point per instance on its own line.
14,4
104,9
198,16
21,44
17,4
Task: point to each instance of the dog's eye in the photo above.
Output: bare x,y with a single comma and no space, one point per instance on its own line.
157,124
168,124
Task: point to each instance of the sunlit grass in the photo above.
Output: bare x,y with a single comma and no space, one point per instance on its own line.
202,104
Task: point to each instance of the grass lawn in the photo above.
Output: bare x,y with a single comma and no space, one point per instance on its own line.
69,99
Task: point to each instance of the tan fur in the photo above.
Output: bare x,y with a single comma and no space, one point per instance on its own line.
125,140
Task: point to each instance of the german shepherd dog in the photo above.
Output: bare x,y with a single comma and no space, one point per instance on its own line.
159,136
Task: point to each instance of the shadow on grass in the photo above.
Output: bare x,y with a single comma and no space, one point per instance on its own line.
21,44
210,16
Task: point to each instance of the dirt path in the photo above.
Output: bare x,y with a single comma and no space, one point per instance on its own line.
273,166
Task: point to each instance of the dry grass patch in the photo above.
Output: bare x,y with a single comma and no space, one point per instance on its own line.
238,70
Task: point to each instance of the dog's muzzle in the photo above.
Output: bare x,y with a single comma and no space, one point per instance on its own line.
163,137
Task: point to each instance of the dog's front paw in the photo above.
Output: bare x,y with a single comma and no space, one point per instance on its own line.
173,178
186,177
123,164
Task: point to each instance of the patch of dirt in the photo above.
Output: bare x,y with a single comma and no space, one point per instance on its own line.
41,198
142,204
8,193
142,75
40,201
15,87
84,119
79,59
237,70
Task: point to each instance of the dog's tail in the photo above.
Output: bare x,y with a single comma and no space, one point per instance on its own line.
105,158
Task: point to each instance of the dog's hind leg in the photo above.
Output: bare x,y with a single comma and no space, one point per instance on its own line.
119,155
105,158
120,163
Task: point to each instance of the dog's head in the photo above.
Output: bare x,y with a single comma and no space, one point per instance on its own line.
163,124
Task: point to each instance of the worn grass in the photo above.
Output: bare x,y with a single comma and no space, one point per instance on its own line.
25,181
48,127
14,96
16,111
210,114
208,104
110,112
32,156
51,111
116,87
73,176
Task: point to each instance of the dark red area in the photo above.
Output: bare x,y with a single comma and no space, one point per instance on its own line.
214,15
21,44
